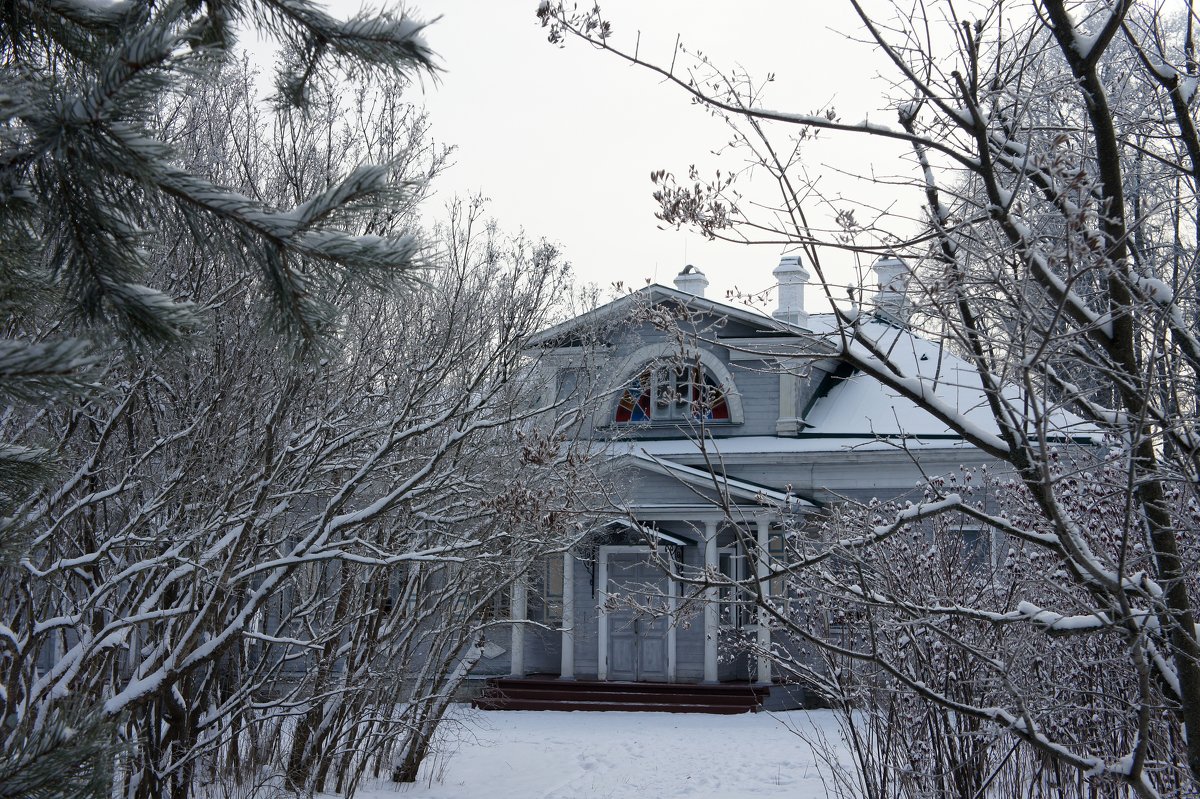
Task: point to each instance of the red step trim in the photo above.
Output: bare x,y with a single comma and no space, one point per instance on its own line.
506,693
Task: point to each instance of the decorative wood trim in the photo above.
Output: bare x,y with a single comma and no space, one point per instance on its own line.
664,351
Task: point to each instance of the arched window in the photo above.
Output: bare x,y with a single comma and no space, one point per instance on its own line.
663,393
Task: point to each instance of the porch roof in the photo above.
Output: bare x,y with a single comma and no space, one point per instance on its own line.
771,499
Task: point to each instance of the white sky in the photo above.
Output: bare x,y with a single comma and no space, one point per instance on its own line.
563,140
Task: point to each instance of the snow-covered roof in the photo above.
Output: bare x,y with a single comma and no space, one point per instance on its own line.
645,530
740,446
859,405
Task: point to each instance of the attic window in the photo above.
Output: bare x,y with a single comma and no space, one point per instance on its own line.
672,393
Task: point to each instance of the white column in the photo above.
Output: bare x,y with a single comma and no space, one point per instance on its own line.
711,611
566,670
518,627
788,423
672,608
764,585
602,619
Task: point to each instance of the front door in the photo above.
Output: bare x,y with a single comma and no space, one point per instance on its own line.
637,619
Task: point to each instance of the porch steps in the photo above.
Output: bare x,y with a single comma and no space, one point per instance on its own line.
534,693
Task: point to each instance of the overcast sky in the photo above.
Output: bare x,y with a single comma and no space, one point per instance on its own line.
563,140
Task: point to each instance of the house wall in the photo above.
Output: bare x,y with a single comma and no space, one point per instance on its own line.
689,624
586,615
659,489
759,387
543,651
501,664
837,475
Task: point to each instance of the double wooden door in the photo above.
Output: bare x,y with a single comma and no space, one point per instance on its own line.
638,619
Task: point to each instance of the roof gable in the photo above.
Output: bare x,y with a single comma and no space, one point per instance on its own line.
740,322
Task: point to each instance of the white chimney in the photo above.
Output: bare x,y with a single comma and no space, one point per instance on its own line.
691,280
791,276
892,275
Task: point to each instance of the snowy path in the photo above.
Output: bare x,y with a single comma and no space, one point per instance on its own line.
548,755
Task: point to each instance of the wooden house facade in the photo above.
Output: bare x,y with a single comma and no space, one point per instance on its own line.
787,428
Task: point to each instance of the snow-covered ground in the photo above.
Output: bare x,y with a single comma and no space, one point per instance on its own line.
550,755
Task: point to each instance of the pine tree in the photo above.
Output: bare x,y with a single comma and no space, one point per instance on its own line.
86,183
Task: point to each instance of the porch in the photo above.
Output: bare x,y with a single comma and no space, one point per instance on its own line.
663,591
635,606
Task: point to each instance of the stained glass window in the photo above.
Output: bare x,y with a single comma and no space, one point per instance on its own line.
672,393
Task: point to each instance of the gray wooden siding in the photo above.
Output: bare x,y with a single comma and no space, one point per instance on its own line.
648,488
586,618
689,630
759,388
862,475
501,636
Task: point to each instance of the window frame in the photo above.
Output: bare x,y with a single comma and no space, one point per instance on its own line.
671,394
544,597
733,612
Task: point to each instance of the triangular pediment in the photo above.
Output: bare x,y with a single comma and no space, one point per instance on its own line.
670,482
724,319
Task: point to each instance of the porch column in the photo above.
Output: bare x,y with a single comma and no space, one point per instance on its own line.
518,627
566,670
711,610
764,585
